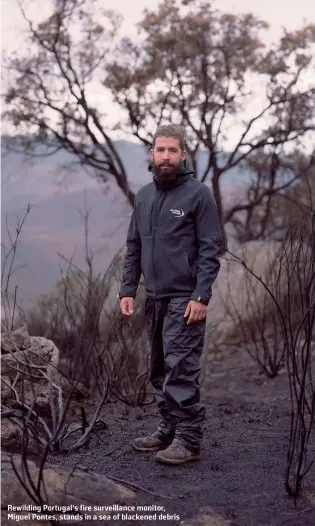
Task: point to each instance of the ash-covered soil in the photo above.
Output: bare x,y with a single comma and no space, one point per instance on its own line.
240,478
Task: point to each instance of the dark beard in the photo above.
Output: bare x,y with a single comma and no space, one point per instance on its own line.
161,177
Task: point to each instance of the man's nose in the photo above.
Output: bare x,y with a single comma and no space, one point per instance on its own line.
166,155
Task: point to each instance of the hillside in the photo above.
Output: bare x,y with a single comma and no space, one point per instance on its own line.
57,197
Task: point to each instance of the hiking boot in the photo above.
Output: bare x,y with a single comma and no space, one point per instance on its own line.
176,454
150,443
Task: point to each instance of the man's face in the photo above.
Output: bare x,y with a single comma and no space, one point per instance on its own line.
167,155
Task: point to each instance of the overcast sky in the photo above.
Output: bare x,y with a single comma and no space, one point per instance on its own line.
278,13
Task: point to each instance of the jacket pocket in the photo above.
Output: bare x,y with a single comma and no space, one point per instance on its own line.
147,264
173,269
187,259
192,260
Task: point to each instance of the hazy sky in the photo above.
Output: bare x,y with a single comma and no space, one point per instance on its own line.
278,13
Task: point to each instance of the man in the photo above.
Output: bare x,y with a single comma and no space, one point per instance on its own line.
174,240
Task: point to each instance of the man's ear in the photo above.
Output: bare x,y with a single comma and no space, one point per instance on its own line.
151,154
184,155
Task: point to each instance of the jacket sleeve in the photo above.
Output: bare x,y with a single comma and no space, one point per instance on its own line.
210,242
132,263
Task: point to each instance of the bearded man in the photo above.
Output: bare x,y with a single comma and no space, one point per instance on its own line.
174,240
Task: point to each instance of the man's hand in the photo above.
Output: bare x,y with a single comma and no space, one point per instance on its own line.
127,306
195,311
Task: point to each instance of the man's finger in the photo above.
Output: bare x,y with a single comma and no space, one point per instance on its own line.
196,315
192,317
129,309
126,308
187,311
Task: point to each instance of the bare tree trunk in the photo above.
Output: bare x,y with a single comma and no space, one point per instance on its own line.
218,198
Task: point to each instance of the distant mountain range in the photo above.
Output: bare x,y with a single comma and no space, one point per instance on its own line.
57,196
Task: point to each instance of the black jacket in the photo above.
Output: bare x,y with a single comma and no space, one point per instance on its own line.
174,240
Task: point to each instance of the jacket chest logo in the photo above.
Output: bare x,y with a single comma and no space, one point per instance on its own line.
177,213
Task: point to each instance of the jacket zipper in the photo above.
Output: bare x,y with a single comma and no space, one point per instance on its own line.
158,210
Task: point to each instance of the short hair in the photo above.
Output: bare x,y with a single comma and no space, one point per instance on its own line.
170,130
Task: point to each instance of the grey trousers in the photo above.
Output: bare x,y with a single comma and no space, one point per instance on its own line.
176,349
